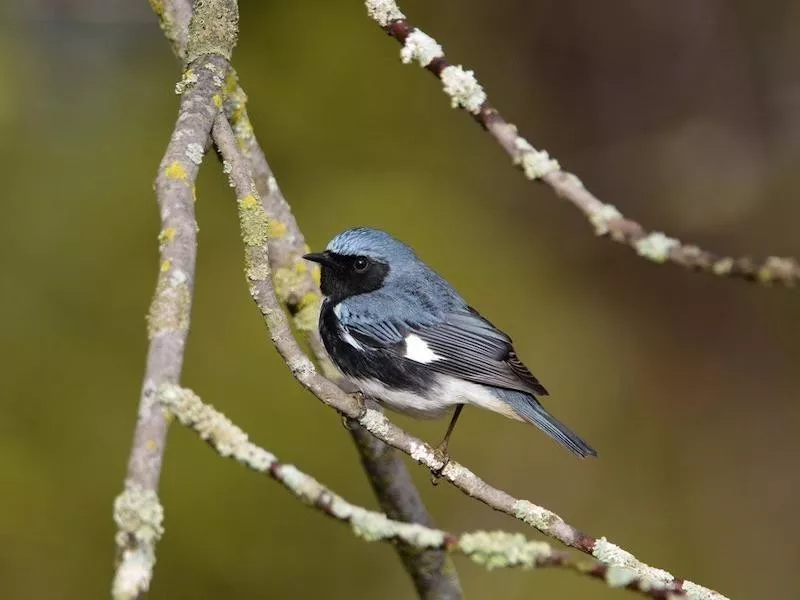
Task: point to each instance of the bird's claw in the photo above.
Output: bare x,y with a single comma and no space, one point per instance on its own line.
441,455
349,423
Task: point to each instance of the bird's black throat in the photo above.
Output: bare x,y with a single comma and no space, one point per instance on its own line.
344,276
370,362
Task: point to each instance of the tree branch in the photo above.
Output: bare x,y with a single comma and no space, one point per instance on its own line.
490,549
297,288
465,92
431,570
168,327
137,512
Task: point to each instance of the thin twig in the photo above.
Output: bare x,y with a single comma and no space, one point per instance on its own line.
465,92
491,549
137,511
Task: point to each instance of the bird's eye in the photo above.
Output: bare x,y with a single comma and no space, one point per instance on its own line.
360,265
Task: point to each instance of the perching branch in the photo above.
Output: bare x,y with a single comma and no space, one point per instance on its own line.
465,92
255,231
137,512
298,290
430,570
491,549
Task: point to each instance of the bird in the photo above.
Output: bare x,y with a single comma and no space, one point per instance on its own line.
403,336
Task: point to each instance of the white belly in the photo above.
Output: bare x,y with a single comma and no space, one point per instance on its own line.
443,396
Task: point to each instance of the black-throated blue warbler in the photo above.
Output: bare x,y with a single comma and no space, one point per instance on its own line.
407,339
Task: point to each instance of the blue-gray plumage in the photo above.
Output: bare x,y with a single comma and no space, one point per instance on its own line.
405,337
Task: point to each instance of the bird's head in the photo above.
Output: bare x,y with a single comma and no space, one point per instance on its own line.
359,261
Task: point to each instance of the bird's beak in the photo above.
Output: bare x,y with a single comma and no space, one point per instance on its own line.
323,258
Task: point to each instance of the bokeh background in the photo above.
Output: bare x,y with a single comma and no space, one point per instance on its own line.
684,114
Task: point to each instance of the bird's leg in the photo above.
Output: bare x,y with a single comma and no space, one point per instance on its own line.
441,450
351,424
442,447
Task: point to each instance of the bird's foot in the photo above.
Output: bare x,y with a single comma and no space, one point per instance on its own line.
348,422
441,455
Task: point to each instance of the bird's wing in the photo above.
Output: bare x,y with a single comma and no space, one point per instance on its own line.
461,343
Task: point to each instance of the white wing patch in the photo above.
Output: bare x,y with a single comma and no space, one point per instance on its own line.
419,351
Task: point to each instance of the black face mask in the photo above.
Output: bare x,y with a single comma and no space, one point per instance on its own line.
344,276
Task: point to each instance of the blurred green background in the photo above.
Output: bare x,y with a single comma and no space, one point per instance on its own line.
684,114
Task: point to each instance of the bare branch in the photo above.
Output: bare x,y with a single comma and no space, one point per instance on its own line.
465,92
491,549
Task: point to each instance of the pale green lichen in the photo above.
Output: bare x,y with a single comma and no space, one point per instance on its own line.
463,89
421,47
723,266
500,549
289,279
254,221
698,592
218,79
213,427
307,316
256,270
134,573
384,11
169,310
454,471
214,29
158,8
316,271
656,246
534,515
188,79
613,555
236,110
194,152
277,229
617,576
375,422
424,454
138,515
301,484
371,526
535,163
602,218
776,267
374,526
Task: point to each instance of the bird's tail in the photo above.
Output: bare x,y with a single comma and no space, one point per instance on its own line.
528,407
